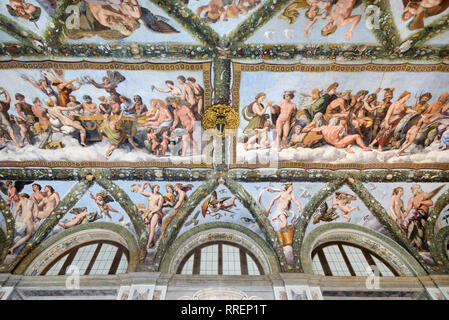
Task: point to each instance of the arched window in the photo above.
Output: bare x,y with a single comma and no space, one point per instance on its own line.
220,257
347,259
94,257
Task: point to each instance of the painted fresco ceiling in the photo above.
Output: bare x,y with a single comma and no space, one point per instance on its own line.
163,117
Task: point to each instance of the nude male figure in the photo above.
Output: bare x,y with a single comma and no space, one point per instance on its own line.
48,203
418,206
41,113
341,16
154,215
332,135
102,200
313,13
27,210
342,201
279,217
396,205
287,110
89,107
439,106
214,10
184,115
198,93
5,122
13,196
188,92
338,107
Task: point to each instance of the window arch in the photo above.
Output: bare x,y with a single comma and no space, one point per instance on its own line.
220,258
92,258
338,258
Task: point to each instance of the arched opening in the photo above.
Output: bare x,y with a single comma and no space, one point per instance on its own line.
219,248
341,249
91,258
338,258
220,258
100,250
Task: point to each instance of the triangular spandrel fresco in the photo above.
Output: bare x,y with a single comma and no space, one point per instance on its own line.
223,16
221,206
32,202
410,206
30,14
303,22
145,23
412,18
344,206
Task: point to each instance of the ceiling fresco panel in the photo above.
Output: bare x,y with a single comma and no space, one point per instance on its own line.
365,94
76,135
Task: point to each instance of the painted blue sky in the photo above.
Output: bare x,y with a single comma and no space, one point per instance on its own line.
13,83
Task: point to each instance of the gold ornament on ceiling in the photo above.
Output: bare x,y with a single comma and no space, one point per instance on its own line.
221,118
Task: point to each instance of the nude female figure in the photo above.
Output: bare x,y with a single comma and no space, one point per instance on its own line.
154,212
27,210
48,203
397,205
282,211
181,198
37,195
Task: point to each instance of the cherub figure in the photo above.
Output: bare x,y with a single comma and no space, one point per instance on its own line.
164,144
102,200
12,190
152,140
342,199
